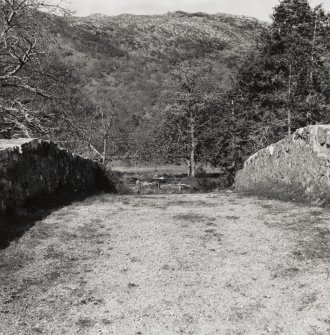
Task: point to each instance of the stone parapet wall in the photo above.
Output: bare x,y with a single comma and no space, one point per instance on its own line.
297,167
36,171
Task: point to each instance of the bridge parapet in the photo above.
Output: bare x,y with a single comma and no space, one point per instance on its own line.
35,171
297,167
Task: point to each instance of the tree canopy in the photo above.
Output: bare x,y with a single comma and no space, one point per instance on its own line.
282,85
186,108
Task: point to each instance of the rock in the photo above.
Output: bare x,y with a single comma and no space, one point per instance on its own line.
296,167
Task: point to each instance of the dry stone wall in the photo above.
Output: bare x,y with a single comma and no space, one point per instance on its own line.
297,167
34,171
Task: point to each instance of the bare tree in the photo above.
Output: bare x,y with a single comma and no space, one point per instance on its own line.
24,47
186,112
95,129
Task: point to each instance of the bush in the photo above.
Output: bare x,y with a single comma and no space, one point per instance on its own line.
200,172
117,179
210,184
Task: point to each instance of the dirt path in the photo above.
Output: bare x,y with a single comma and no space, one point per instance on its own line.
179,264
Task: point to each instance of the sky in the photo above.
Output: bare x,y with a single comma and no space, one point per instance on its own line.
260,9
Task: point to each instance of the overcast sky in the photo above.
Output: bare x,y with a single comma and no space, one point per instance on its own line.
260,9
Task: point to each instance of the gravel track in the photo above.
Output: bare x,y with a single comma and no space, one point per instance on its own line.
170,264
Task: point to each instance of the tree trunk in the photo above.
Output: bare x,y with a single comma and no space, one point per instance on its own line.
192,159
289,121
189,167
308,98
94,149
313,49
289,102
105,148
193,147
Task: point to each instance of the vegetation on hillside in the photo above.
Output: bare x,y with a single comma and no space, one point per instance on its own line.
173,88
132,60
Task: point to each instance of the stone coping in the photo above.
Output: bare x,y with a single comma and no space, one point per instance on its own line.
6,144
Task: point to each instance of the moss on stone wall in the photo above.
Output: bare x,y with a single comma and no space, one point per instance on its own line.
297,167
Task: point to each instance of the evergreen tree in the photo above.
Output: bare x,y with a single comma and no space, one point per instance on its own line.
284,81
282,85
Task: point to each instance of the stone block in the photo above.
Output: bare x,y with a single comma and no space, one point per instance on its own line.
327,138
321,136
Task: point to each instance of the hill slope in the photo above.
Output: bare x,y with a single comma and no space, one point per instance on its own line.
184,34
130,57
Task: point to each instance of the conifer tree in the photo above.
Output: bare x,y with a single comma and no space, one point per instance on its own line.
282,85
284,82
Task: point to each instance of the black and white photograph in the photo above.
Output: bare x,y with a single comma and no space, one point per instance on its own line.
165,167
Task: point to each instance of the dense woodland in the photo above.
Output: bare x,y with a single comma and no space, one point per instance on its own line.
174,88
